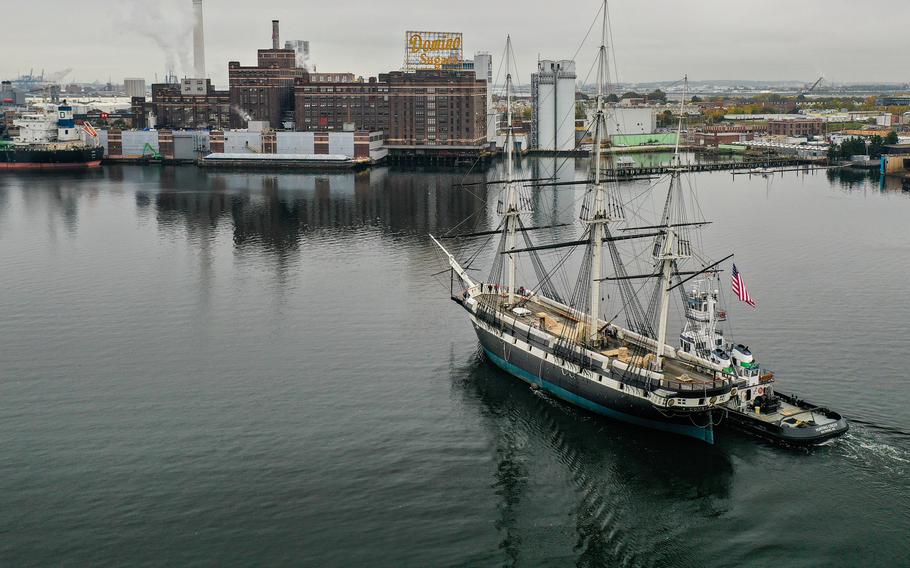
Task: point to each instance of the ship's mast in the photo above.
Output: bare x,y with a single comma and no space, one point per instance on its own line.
669,252
511,214
599,207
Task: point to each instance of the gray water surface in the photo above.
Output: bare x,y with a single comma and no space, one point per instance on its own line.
250,369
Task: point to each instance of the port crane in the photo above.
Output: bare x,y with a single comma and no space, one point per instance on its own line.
32,82
802,94
812,88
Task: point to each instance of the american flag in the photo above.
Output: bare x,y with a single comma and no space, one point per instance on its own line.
739,288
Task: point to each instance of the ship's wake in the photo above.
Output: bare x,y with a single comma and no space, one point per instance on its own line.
876,449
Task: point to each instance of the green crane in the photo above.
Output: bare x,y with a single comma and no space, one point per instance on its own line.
148,149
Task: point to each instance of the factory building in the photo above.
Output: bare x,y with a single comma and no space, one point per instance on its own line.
134,87
796,127
436,112
341,105
265,92
192,103
553,100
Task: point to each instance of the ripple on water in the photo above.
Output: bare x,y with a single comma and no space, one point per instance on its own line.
240,368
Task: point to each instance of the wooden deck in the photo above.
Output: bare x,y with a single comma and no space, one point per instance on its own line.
800,415
563,324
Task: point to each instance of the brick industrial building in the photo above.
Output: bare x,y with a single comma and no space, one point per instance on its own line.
265,92
796,127
329,106
425,111
717,134
436,111
192,103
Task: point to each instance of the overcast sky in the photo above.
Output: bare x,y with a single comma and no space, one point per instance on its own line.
843,40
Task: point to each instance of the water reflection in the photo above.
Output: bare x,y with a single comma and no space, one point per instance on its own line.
625,481
4,202
849,179
274,212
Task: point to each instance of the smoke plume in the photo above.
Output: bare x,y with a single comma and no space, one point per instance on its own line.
167,23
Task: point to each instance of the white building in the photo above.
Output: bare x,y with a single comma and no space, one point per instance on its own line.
553,98
134,87
137,143
483,69
630,120
884,119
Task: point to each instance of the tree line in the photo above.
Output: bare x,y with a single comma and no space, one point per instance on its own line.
860,147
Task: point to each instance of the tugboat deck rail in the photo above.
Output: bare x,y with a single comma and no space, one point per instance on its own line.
794,416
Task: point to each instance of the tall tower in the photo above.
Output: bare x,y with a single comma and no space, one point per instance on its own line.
483,70
198,41
553,98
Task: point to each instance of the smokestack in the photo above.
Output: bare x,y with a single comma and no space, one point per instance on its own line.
274,34
198,41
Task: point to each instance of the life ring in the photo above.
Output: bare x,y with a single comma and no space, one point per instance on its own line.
760,391
671,402
733,392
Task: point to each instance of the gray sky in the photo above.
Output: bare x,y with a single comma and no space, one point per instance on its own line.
844,40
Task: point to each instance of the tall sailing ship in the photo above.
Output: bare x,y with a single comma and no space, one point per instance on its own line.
566,347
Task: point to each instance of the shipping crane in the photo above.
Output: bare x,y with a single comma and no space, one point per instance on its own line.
35,83
802,95
812,88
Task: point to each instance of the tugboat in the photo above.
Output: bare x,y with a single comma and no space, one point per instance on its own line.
755,406
51,140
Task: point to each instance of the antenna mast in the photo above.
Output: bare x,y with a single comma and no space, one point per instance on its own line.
671,249
512,199
599,214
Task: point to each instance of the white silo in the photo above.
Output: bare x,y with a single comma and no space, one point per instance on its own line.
553,97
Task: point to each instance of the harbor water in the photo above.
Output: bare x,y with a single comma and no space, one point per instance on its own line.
253,369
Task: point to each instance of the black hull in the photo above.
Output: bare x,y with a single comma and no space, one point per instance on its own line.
32,158
590,395
785,435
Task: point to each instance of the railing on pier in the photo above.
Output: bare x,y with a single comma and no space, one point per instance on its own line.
626,173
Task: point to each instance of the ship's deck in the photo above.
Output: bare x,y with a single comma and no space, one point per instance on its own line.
560,323
793,416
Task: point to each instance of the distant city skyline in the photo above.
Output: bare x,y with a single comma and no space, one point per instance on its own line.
660,40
